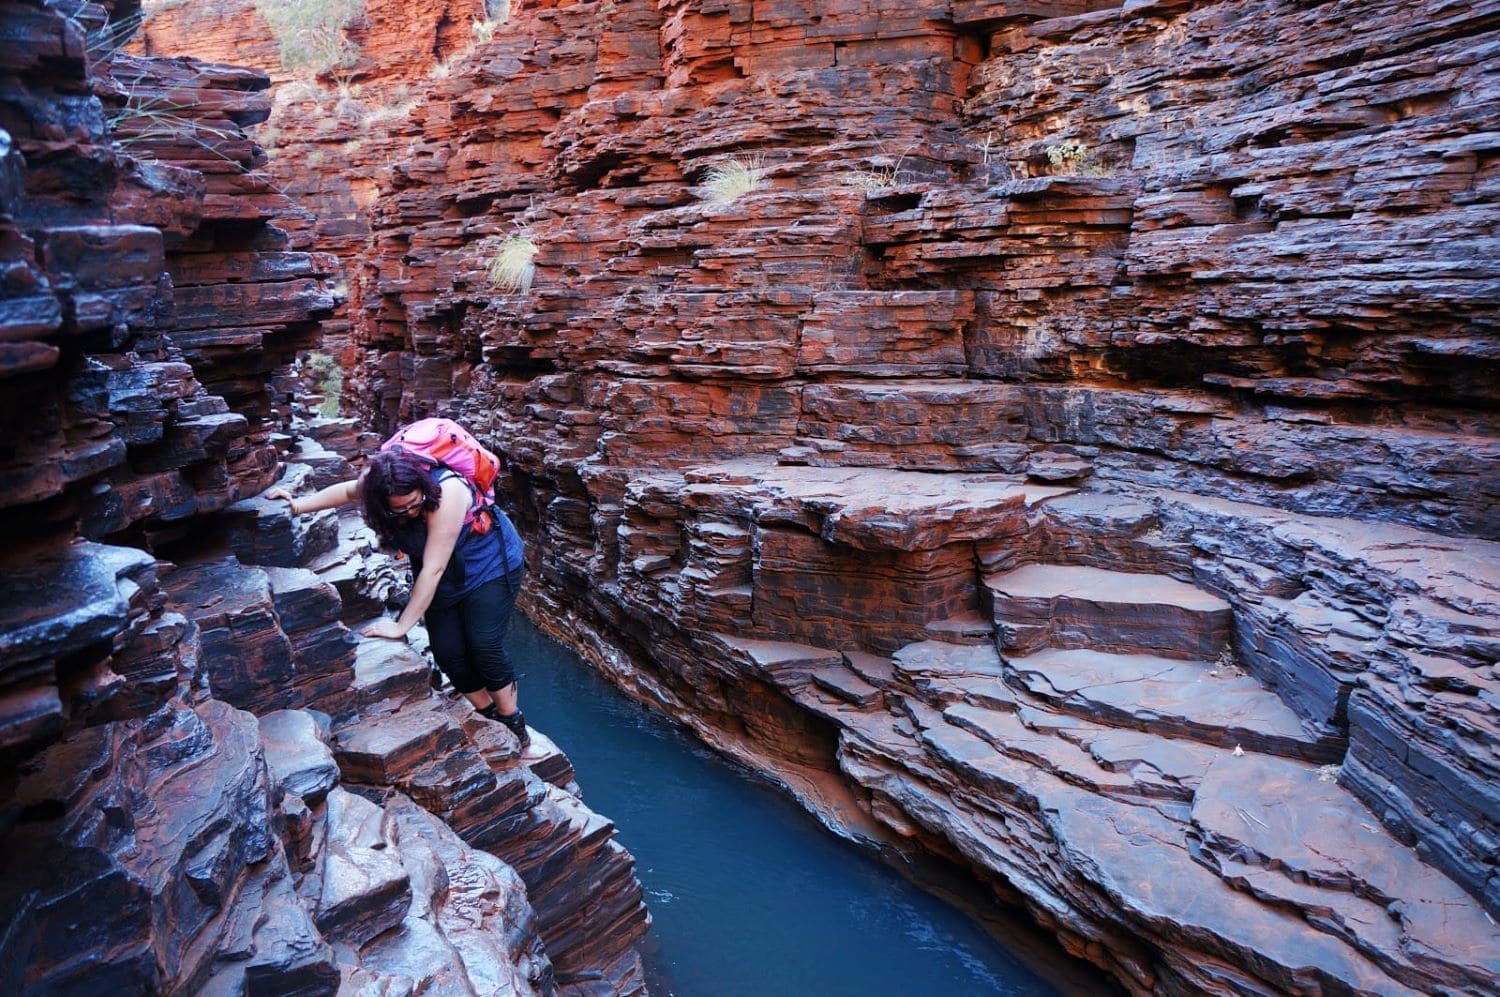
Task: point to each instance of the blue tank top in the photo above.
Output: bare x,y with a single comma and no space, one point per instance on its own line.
477,557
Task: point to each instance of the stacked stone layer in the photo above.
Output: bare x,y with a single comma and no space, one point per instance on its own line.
173,814
1195,295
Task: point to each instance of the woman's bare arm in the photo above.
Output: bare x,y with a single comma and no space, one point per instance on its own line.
340,493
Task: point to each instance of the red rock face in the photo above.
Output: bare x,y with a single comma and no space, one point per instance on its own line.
186,802
127,416
1195,296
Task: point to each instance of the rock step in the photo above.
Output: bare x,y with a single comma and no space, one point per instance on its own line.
1069,606
469,928
962,628
368,580
1289,834
380,751
55,603
328,467
263,531
1107,761
1209,702
270,944
251,660
359,888
297,754
389,670
1249,870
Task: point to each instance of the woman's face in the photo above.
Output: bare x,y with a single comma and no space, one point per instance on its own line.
408,505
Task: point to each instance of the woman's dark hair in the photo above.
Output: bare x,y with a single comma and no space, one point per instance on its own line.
395,472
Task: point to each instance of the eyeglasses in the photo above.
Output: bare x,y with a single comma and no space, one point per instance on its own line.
408,508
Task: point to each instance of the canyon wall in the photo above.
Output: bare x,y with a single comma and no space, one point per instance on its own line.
1069,453
208,785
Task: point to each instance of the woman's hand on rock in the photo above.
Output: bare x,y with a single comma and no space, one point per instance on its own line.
389,629
285,496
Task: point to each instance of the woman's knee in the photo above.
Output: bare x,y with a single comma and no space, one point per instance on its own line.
445,637
494,666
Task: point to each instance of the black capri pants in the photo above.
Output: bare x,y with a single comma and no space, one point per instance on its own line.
468,638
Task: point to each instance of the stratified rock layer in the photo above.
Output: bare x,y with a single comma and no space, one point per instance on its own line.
1081,437
173,818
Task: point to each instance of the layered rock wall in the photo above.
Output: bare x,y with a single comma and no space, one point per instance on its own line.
1077,433
182,804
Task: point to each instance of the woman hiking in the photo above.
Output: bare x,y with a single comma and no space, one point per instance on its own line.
466,569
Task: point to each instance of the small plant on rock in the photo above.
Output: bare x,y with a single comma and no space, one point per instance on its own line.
513,266
875,177
144,119
312,34
484,30
103,42
268,137
732,178
1071,158
385,114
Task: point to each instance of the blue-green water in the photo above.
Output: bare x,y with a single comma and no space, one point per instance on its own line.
749,895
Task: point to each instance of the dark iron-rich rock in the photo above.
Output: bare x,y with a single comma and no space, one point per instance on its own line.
154,837
1198,298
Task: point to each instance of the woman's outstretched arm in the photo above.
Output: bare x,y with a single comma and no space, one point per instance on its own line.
340,493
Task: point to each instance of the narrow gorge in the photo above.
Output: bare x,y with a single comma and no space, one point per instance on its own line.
1055,442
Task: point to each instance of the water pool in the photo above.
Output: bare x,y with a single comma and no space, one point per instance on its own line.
749,894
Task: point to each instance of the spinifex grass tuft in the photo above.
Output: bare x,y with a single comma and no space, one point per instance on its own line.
735,176
512,267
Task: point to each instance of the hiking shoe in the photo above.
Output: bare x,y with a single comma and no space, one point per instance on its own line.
517,724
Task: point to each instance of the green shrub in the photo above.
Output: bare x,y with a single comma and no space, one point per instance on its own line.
1072,158
330,381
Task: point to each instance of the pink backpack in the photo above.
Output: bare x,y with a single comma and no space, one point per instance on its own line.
447,444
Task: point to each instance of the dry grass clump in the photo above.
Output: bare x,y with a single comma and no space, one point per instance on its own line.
103,42
513,266
732,178
145,120
875,177
485,30
311,34
1074,159
385,114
